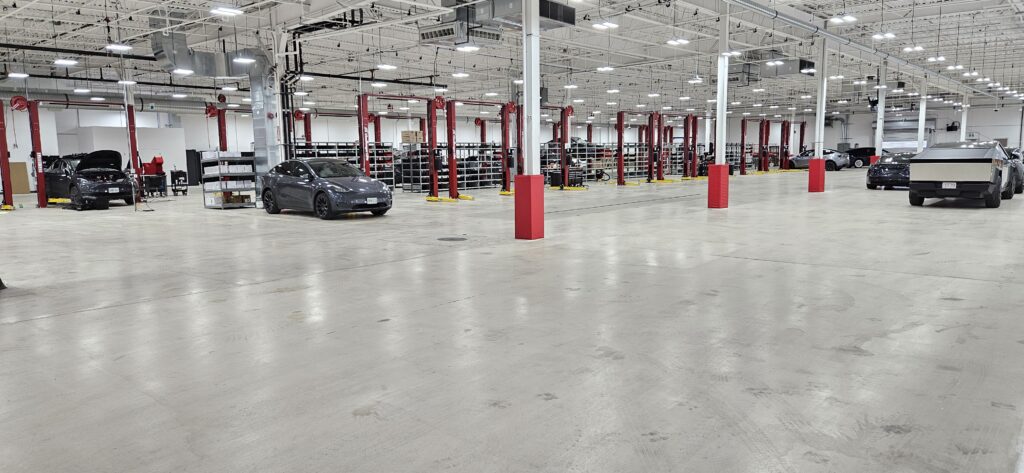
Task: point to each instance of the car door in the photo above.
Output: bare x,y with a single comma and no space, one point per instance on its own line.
284,186
298,188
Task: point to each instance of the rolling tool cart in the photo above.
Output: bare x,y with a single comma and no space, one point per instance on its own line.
179,182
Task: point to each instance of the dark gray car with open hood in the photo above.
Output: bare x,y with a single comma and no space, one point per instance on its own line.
328,187
89,180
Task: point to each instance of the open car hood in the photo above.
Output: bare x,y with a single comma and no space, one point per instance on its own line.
103,159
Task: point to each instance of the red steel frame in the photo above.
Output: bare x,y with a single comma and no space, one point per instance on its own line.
803,131
590,132
453,168
563,140
37,152
505,111
687,171
743,146
620,164
506,123
307,126
784,145
693,146
363,118
519,140
5,162
222,128
483,128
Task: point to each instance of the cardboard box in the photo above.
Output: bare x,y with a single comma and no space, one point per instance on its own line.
19,178
412,136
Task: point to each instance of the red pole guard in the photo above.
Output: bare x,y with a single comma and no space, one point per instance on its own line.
222,129
362,125
453,170
564,137
661,144
307,125
376,129
784,144
649,130
590,132
803,131
37,151
743,146
519,140
506,176
620,160
5,161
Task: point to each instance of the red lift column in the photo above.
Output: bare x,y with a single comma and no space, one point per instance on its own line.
133,147
423,128
37,152
687,172
554,132
590,132
5,164
506,175
483,128
453,171
743,147
661,146
362,123
563,143
693,146
376,129
307,126
784,146
620,160
222,128
432,107
649,130
803,131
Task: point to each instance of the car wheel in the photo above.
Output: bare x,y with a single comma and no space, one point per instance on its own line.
889,188
269,203
1019,189
792,165
75,196
993,200
872,186
830,166
322,207
380,212
129,200
858,163
1008,193
915,199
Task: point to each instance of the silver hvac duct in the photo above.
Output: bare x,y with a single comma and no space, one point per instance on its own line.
172,53
955,85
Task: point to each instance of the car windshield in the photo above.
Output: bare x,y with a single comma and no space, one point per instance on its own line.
329,169
73,163
810,153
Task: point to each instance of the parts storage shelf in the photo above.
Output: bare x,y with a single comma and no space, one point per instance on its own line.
229,180
381,156
478,166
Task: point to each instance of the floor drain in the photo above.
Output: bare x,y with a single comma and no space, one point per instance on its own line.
451,239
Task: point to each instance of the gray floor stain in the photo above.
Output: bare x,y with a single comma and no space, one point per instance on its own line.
609,353
367,411
547,396
815,457
1002,405
654,437
897,429
499,403
853,350
383,320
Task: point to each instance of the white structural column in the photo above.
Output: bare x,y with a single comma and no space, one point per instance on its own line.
819,111
922,108
707,129
531,87
880,117
963,118
722,100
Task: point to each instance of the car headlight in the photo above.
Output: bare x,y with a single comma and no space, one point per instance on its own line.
338,187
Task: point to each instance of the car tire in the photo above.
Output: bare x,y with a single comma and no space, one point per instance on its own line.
915,199
129,201
322,206
858,163
1008,193
270,203
75,196
380,212
792,165
872,186
1019,189
831,166
993,200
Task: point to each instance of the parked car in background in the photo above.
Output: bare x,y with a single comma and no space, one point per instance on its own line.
1017,163
860,157
962,169
89,180
328,187
834,160
891,170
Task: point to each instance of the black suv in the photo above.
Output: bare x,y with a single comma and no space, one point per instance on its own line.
860,157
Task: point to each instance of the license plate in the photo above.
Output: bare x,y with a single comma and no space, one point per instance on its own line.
371,200
113,190
949,185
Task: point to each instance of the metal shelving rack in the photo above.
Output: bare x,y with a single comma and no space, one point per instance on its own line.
227,175
381,156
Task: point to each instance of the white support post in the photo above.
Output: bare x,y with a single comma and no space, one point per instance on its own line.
880,117
963,118
819,114
531,87
922,108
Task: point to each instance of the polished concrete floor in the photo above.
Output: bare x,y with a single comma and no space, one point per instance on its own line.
837,332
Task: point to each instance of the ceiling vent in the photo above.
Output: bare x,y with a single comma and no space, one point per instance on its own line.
510,13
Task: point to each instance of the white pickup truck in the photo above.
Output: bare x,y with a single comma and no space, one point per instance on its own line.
962,169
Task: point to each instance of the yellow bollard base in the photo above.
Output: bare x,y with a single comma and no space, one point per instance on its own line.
441,199
507,193
58,201
664,181
465,197
6,207
569,188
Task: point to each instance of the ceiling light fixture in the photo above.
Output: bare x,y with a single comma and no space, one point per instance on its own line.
379,85
17,75
229,88
677,42
64,62
605,69
97,99
127,82
243,60
118,47
225,11
571,86
179,96
460,75
612,91
467,48
183,72
386,67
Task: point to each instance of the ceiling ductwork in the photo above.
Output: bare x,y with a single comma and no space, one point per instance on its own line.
174,56
480,24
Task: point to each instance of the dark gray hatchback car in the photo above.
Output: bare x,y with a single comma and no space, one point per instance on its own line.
328,187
